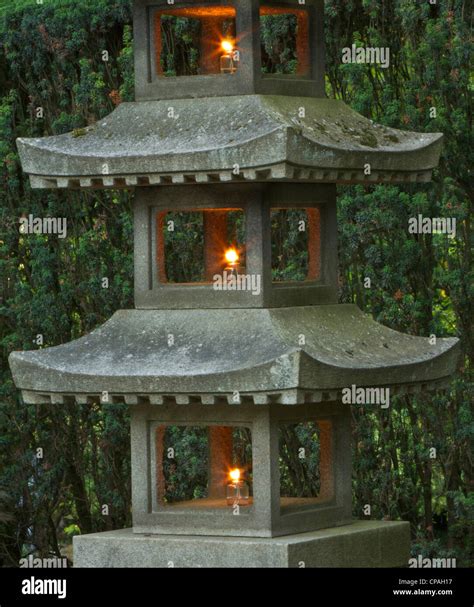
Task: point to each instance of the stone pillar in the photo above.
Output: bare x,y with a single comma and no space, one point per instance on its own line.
314,244
326,460
220,460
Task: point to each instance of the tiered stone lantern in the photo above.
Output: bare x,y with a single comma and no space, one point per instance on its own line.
253,363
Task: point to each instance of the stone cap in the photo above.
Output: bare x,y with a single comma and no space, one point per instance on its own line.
241,355
222,139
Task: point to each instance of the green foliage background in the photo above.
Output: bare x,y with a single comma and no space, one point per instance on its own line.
51,56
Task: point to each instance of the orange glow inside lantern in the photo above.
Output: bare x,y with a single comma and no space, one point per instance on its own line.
227,46
227,59
235,475
231,257
237,490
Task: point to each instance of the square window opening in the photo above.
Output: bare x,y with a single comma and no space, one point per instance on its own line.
296,244
195,246
196,41
306,464
203,466
284,41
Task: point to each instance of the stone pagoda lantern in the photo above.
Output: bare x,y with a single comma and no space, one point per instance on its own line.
226,347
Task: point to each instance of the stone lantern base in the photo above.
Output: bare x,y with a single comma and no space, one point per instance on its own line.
360,544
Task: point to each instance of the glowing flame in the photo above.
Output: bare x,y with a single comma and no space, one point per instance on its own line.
235,475
231,256
227,46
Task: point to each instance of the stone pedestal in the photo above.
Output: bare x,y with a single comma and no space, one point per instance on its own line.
360,544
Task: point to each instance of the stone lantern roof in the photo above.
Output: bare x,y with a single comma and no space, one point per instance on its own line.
213,358
205,138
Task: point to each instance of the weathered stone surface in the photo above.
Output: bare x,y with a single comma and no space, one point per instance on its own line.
211,135
360,544
245,350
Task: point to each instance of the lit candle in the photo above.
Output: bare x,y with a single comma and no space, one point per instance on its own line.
237,490
227,59
232,258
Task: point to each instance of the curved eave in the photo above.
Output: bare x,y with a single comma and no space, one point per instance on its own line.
212,358
140,144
